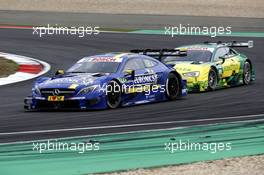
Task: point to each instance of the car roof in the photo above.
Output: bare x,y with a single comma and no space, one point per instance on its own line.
118,56
123,55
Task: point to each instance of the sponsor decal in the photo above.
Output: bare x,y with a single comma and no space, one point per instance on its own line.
55,98
201,48
122,80
183,69
75,81
146,79
73,86
101,59
150,71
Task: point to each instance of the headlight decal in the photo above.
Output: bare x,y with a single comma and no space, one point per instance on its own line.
191,74
88,89
36,90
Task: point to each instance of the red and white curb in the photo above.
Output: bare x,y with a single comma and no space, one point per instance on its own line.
29,68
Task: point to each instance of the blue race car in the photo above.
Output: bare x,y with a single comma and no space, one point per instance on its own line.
108,81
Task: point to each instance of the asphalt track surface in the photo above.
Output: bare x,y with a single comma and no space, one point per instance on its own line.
123,21
62,51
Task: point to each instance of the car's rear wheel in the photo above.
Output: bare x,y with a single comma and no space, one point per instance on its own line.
212,79
113,96
172,87
247,73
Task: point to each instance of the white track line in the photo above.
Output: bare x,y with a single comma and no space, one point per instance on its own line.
129,132
126,125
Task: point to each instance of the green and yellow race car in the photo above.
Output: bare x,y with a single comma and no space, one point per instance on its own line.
211,66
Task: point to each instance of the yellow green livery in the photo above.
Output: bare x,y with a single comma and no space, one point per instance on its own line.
211,66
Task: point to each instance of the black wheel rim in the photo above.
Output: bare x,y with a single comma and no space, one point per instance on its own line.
212,79
113,95
173,87
247,73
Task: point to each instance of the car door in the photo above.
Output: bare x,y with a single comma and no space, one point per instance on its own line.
147,74
153,67
139,80
229,67
235,61
155,70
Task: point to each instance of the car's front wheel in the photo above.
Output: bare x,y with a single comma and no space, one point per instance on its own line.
172,87
212,79
113,96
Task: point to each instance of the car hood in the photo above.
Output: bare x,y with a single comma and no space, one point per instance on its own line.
189,66
72,81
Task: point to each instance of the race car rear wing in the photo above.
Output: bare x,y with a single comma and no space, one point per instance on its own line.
248,44
160,53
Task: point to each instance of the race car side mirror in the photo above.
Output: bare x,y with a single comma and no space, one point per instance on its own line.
223,59
59,72
129,73
170,65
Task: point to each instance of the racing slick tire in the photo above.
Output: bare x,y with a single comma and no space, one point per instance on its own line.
114,94
212,80
172,87
247,73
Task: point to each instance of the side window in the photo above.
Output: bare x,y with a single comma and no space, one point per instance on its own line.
134,64
149,63
231,52
221,52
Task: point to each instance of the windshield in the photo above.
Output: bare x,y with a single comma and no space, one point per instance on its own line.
192,55
94,67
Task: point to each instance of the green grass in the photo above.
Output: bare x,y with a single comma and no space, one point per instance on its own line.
7,67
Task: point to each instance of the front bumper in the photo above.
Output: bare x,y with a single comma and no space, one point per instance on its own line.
183,87
196,84
31,103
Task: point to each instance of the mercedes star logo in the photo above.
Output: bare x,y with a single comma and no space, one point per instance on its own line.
56,92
